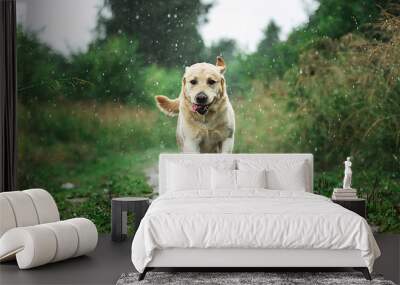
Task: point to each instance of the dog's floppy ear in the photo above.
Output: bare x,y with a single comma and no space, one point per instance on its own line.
221,64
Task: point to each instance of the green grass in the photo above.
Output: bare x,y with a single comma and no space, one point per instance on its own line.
113,175
96,182
104,154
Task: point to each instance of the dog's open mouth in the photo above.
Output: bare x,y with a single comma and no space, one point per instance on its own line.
201,109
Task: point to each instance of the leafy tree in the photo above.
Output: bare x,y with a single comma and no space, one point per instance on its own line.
273,57
40,69
227,48
271,38
111,70
334,18
167,31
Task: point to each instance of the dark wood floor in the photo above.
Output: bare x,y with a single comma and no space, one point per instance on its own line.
110,260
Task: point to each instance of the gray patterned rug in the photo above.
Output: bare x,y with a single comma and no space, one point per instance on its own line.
269,278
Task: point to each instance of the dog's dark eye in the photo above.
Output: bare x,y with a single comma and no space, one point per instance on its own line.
211,81
193,81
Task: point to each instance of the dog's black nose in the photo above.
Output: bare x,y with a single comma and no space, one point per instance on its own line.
201,98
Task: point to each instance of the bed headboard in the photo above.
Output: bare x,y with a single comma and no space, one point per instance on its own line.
209,159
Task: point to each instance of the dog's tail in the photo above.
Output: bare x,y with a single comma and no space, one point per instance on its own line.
168,106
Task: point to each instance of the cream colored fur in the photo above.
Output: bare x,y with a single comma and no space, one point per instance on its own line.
212,132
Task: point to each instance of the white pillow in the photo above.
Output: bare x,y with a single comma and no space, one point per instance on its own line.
227,179
223,179
181,177
251,178
293,180
288,174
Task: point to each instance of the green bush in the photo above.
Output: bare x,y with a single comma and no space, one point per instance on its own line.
161,81
110,71
381,191
40,69
346,102
96,205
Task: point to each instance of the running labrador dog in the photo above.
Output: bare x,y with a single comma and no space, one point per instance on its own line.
206,121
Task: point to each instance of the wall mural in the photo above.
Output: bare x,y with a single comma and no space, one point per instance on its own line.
100,97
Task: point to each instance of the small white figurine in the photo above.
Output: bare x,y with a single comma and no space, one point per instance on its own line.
347,174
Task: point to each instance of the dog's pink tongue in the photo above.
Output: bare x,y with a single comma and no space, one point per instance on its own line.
195,107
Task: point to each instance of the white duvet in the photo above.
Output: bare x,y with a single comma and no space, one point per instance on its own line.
250,219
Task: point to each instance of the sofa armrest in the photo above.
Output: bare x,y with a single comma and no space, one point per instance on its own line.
40,244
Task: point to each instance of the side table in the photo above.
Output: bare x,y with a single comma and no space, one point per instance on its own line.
358,206
119,215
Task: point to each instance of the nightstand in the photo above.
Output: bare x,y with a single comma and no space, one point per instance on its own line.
119,215
358,206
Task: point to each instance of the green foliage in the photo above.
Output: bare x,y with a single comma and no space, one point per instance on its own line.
39,69
273,63
271,38
83,142
103,149
167,31
352,99
161,81
332,19
335,18
380,189
111,70
227,48
96,206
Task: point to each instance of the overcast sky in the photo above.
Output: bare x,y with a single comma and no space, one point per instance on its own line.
67,25
244,20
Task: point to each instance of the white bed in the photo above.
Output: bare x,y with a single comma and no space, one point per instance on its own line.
249,227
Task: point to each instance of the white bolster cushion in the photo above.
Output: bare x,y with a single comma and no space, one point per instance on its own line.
26,208
23,208
7,218
87,234
67,240
45,205
32,246
37,245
